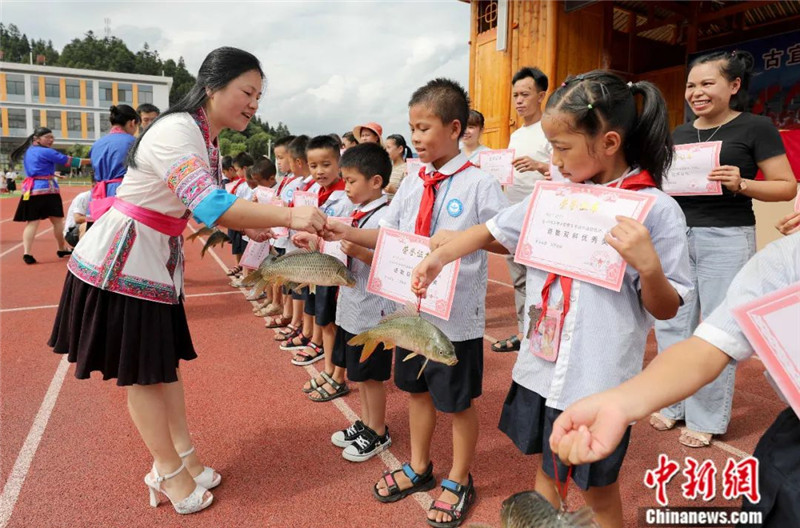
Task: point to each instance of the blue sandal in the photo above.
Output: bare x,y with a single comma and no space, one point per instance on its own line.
423,482
457,511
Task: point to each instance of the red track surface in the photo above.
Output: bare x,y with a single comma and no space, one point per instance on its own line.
253,424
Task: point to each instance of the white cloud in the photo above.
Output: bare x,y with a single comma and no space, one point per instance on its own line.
330,65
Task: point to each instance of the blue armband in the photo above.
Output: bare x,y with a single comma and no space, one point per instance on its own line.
213,206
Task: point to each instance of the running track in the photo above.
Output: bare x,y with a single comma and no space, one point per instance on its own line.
70,456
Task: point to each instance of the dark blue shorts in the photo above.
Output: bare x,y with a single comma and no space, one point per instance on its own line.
378,367
322,304
238,244
453,388
528,422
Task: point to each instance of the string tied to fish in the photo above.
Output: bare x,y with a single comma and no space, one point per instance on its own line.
561,489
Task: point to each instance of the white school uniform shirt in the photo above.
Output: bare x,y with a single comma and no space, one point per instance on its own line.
357,310
314,188
79,205
604,332
286,195
527,141
337,204
773,268
470,197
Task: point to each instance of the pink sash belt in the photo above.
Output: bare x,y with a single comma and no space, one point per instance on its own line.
167,225
100,202
27,183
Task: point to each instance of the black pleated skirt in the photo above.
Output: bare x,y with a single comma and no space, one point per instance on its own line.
39,207
134,341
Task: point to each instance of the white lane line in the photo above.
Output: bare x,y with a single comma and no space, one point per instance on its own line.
507,285
390,461
17,478
26,308
9,250
50,306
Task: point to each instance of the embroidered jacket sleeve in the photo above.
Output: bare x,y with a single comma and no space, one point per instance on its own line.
176,152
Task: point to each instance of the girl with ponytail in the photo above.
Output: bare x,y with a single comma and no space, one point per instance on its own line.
109,155
721,229
398,151
599,138
40,193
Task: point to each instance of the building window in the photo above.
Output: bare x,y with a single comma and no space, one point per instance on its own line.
105,124
52,88
90,93
35,86
54,122
17,122
15,87
106,93
125,93
145,94
73,88
74,122
487,15
90,126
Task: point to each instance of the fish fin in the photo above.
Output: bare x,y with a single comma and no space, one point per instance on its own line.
369,348
423,367
293,285
225,237
203,251
407,311
252,278
193,236
412,355
582,518
313,289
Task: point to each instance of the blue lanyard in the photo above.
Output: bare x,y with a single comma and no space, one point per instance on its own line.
441,205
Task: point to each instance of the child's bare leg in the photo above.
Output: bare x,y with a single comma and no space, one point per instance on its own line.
327,334
363,398
465,439
375,395
547,487
422,422
607,505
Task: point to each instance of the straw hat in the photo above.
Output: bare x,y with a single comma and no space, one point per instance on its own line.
375,127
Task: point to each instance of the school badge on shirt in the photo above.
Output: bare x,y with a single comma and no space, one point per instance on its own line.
455,207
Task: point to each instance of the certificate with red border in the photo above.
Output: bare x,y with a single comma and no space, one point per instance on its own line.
265,194
565,228
772,325
396,255
334,249
308,198
691,165
254,254
498,163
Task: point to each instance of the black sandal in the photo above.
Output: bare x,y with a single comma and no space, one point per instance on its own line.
457,511
506,345
28,259
308,359
340,389
419,482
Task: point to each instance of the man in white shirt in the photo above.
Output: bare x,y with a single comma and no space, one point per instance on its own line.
532,162
76,218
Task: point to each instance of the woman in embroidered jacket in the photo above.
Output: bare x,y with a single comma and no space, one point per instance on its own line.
40,194
121,311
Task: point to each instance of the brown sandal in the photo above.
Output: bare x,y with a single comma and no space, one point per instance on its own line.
695,439
659,422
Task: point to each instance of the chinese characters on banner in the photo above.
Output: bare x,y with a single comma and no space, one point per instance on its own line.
498,164
770,324
565,228
739,479
396,255
691,165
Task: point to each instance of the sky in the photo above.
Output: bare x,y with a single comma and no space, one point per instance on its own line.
330,65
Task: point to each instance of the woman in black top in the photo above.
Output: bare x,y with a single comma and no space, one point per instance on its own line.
721,229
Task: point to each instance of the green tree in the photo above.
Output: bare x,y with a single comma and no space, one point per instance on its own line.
148,62
258,145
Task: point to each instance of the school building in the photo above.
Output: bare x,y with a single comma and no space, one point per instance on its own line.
639,40
73,103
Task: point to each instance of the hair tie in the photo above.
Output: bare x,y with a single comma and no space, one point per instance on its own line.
589,106
579,77
733,53
630,85
563,84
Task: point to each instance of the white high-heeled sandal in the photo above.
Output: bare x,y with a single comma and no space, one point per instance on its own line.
191,504
209,478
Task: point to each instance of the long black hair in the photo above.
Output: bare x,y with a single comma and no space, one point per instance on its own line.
733,65
121,114
20,150
600,101
219,68
400,141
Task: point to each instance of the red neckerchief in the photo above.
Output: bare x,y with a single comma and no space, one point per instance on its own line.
635,182
324,194
285,182
425,213
236,185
